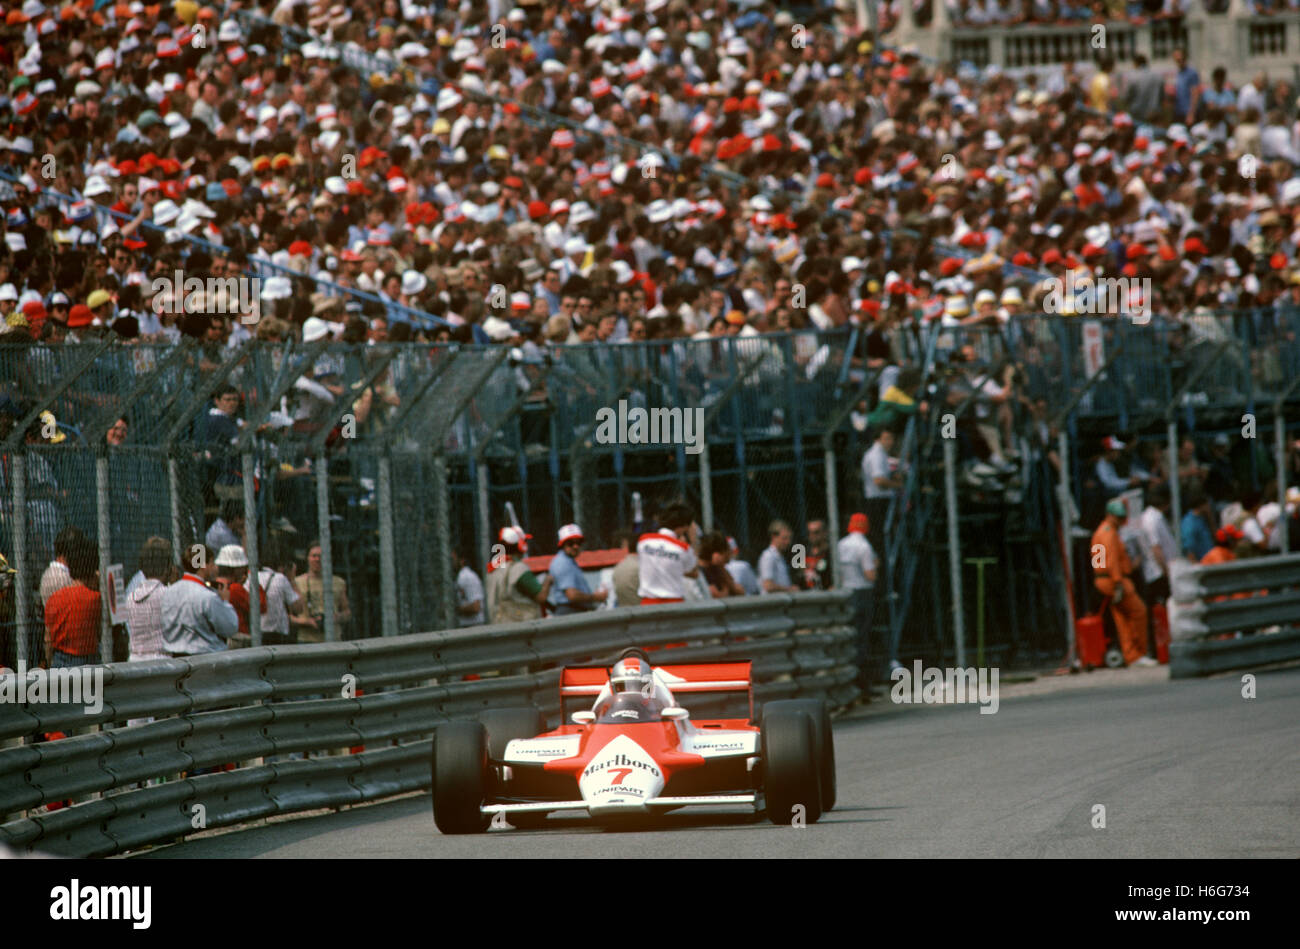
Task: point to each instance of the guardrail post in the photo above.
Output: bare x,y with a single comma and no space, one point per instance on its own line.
387,556
254,564
104,528
954,547
326,554
23,613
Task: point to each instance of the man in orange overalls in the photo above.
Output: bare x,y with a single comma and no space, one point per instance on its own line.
1113,570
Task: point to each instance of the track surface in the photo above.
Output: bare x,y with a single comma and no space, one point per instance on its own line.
1183,769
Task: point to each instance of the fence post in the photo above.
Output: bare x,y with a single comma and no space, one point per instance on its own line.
575,475
326,554
706,487
173,489
24,604
445,582
833,514
250,532
954,547
1066,499
104,528
387,556
1175,486
484,512
1279,422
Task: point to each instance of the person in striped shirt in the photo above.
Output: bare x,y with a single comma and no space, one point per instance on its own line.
144,603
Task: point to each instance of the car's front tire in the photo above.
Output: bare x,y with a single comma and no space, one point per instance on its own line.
504,725
460,777
819,710
791,776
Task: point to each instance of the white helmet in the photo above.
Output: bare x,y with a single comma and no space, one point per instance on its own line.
630,674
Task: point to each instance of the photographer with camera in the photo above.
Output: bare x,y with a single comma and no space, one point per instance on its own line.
197,617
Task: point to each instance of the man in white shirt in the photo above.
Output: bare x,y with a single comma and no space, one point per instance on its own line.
56,575
880,481
741,571
773,567
284,604
1158,541
469,593
666,558
857,559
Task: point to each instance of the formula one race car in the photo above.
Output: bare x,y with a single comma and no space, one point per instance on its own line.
635,752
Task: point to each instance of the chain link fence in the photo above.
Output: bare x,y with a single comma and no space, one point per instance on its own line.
402,454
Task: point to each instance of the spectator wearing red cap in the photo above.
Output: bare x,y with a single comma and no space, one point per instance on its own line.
1226,539
857,572
570,591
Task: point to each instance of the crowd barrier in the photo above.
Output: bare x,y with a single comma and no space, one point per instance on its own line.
252,706
1235,615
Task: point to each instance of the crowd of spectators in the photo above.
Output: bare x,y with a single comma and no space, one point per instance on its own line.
973,14
417,190
172,608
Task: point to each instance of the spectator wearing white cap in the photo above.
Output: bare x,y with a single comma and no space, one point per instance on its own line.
514,594
232,571
570,591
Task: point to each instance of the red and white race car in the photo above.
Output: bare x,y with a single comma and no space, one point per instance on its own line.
635,751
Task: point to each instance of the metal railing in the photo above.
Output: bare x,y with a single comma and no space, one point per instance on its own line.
380,699
1235,615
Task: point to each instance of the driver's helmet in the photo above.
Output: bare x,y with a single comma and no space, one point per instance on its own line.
630,675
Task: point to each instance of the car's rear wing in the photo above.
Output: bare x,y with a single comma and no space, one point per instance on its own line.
579,685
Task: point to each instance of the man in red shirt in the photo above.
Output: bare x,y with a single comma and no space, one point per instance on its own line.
72,614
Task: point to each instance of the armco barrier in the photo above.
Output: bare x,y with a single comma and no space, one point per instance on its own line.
1215,628
253,706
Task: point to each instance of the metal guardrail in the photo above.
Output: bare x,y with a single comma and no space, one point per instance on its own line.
1222,617
251,704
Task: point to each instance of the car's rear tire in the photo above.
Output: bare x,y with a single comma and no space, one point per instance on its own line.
791,776
504,725
819,710
460,777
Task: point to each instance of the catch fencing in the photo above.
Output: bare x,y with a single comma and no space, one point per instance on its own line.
409,456
366,708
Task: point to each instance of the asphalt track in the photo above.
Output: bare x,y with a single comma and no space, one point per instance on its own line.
1183,769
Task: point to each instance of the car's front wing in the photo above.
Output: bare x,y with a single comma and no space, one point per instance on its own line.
540,807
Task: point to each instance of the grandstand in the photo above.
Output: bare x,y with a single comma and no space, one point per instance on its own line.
472,228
